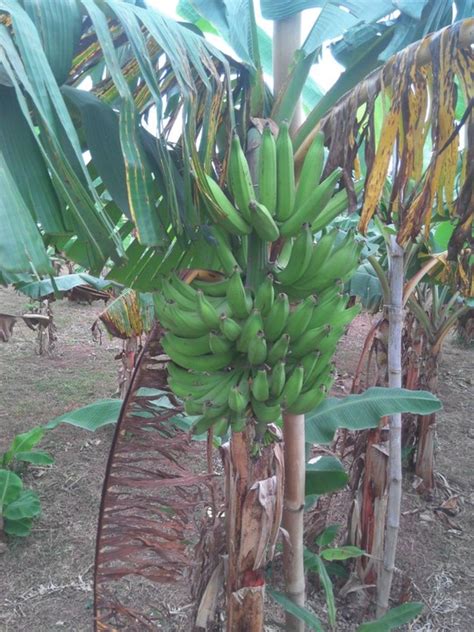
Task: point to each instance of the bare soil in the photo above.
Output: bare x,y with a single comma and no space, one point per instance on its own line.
46,579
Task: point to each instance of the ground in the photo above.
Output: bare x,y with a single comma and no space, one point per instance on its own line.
47,576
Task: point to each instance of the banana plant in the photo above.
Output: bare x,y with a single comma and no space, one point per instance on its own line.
117,149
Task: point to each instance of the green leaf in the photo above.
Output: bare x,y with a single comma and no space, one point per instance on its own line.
27,505
59,27
60,146
19,528
303,614
326,475
341,553
394,618
313,562
91,417
328,535
27,166
10,487
101,127
359,412
366,285
442,235
414,8
21,246
64,283
36,457
231,18
23,442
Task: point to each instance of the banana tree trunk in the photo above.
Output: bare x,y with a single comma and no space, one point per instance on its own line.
367,519
395,309
424,467
254,491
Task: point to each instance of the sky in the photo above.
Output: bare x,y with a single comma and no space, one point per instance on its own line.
325,73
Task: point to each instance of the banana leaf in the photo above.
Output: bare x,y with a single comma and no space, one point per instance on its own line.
130,314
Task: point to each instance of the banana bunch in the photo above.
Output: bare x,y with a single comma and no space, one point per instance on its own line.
237,352
276,207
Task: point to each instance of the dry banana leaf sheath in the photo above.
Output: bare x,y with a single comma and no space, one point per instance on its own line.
152,502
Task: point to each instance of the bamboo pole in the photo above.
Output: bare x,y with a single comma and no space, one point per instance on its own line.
395,310
286,40
293,513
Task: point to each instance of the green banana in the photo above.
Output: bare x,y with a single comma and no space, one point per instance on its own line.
267,171
285,253
199,386
338,266
324,313
250,328
265,295
308,401
220,427
190,346
263,222
218,344
240,179
239,301
299,259
229,327
314,377
275,322
257,349
309,362
205,407
215,289
346,316
202,425
210,362
278,378
179,322
300,318
192,379
207,311
172,293
285,174
309,341
266,413
218,393
292,388
237,400
228,215
329,343
336,205
341,262
224,251
260,387
322,250
311,171
312,206
180,292
279,349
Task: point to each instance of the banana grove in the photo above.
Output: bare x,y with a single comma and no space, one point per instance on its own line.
138,149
